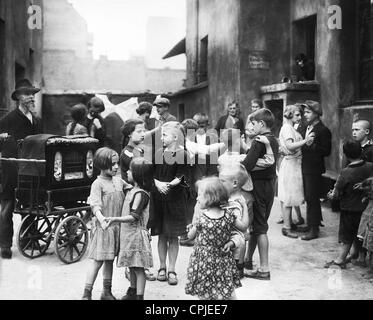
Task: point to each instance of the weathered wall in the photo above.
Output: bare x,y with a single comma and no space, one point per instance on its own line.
20,45
69,63
223,56
263,28
66,29
335,63
195,100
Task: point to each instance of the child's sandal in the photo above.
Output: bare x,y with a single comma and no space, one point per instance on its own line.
172,280
162,274
342,265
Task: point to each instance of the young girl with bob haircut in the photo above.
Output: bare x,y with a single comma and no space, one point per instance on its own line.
212,272
171,180
106,200
135,250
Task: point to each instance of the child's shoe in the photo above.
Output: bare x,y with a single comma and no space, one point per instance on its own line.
248,265
289,233
130,295
149,275
300,221
329,264
106,294
87,295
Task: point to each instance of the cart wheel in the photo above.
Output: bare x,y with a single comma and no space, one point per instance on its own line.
71,239
34,236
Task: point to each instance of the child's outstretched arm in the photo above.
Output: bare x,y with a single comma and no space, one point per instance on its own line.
97,212
139,204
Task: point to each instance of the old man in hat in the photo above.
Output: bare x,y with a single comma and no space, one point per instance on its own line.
94,123
14,127
313,166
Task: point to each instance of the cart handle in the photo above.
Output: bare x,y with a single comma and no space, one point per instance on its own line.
23,160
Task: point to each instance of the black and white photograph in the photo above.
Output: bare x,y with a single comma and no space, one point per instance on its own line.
186,150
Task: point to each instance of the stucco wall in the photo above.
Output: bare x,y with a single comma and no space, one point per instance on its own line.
194,101
19,45
263,27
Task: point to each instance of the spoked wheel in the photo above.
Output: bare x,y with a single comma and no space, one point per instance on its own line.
71,239
34,235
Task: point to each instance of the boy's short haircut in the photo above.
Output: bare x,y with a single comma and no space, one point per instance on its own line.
176,129
190,124
234,171
264,115
352,149
214,191
201,117
365,122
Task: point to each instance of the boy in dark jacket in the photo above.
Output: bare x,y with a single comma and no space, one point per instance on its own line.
351,200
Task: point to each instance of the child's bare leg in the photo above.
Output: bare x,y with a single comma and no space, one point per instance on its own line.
242,255
299,213
93,270
133,279
263,245
173,250
94,267
287,217
162,251
107,280
251,247
343,252
140,281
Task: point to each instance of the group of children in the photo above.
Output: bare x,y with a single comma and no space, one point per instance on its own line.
354,190
157,193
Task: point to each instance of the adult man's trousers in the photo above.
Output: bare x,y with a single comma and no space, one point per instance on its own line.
6,223
312,187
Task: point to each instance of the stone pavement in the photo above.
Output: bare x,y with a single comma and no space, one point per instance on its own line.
296,270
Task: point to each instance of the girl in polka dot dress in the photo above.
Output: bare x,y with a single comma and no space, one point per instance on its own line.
212,273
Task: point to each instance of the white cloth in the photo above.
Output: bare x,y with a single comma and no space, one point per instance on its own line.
290,180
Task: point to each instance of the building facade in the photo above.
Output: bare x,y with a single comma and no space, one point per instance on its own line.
20,49
238,50
69,64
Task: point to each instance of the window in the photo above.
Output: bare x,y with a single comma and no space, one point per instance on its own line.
365,48
203,55
305,37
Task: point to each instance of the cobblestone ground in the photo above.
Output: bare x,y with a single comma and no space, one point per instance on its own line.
296,270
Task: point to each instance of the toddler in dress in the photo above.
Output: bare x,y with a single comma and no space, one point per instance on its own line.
212,273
